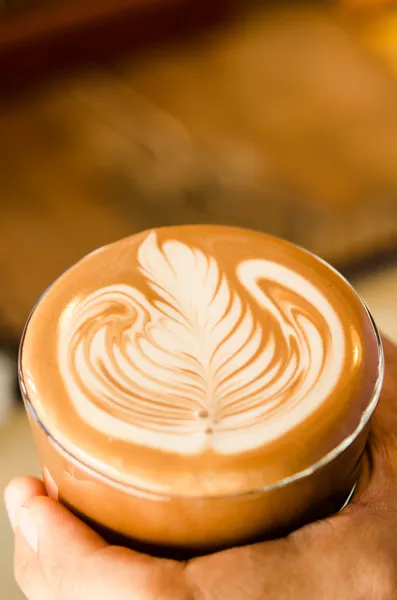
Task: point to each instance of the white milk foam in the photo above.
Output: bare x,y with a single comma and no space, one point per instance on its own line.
195,369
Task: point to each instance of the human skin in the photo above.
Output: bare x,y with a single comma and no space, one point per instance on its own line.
349,556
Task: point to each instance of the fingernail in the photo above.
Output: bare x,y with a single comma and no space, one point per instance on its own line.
13,501
28,527
50,484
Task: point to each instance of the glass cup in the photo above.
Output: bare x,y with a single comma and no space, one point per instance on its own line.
188,503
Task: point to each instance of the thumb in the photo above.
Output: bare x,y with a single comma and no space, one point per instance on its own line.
377,487
76,563
383,438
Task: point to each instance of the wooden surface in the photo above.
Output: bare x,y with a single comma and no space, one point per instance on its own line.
283,121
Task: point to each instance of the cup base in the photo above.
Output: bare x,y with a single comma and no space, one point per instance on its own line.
181,553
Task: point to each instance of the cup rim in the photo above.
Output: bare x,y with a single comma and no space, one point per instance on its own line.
304,473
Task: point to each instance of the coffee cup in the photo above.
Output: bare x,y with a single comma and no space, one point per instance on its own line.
192,388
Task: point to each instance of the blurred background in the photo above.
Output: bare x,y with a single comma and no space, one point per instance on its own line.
118,116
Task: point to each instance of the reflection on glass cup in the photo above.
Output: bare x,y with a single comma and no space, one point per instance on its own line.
194,471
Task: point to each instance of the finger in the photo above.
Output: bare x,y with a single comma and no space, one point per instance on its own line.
77,563
27,570
19,491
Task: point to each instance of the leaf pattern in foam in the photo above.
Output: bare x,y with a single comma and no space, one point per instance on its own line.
199,308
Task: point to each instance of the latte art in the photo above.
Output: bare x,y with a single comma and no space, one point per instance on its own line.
200,357
199,387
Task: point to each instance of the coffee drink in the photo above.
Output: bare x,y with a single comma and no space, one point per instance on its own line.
200,386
